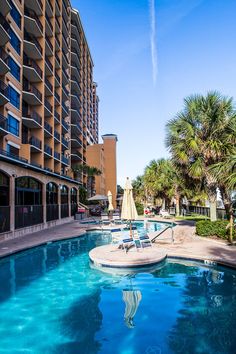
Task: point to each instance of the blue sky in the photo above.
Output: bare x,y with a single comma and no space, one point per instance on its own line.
195,41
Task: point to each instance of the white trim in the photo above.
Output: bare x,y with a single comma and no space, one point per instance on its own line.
13,144
18,10
13,115
17,35
13,86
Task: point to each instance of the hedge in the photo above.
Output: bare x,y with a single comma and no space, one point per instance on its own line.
213,228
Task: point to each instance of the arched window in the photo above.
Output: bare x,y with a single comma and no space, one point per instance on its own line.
52,201
64,201
4,202
28,202
73,201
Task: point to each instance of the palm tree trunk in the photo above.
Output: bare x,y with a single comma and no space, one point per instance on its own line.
226,201
177,198
213,205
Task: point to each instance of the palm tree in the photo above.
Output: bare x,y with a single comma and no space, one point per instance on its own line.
200,136
91,172
139,189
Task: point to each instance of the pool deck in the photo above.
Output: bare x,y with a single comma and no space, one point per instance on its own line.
186,244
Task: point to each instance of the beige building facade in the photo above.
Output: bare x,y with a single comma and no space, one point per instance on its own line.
48,112
103,156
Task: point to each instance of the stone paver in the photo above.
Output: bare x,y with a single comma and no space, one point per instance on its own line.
186,244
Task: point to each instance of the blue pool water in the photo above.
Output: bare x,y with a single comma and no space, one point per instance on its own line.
52,300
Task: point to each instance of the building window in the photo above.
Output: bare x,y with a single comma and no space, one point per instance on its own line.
12,150
15,42
13,125
14,97
14,68
15,15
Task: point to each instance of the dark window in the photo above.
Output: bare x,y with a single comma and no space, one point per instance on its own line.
14,97
73,200
13,125
14,68
4,203
15,14
15,42
52,193
64,195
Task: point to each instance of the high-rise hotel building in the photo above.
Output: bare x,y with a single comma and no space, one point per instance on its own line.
48,112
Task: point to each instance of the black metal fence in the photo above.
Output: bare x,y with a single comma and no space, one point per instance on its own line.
28,215
64,210
74,208
52,212
4,218
205,211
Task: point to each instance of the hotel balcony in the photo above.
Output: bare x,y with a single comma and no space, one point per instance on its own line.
4,28
57,118
48,67
76,129
65,110
32,23
31,94
49,8
57,80
47,150
32,47
65,142
3,125
65,46
75,74
65,76
57,24
31,119
4,68
3,93
47,130
57,9
57,155
48,47
57,99
75,43
64,160
75,116
48,87
57,137
65,125
35,144
76,143
57,44
47,108
76,156
75,60
35,5
74,29
5,7
49,27
75,102
32,71
57,61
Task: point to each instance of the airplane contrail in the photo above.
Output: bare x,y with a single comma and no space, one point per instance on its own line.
153,40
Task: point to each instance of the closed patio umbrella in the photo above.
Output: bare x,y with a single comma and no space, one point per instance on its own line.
97,197
128,210
132,299
110,206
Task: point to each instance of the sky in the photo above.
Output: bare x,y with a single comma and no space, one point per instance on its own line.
148,56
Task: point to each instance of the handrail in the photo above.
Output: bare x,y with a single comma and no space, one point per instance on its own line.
161,232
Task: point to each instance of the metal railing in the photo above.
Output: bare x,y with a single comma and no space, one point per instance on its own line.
32,39
49,43
4,55
3,122
64,142
3,88
64,159
4,23
57,155
52,212
49,63
48,127
33,15
56,135
48,149
32,63
28,87
205,211
28,215
64,124
47,104
49,85
32,115
12,156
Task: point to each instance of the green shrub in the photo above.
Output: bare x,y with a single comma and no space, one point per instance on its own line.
139,208
213,228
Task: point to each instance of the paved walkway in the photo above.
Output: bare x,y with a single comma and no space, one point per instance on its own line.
186,244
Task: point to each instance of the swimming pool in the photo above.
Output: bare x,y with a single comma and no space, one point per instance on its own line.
53,301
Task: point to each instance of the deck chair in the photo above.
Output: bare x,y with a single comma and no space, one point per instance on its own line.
142,241
165,214
116,219
104,219
116,235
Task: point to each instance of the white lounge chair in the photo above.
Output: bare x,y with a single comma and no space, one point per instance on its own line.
105,219
116,235
165,214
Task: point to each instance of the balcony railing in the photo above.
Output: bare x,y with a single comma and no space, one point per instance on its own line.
64,142
49,43
33,15
48,127
56,135
57,96
48,19
47,105
3,122
57,115
33,40
35,142
49,63
49,85
32,115
28,87
3,88
57,155
12,156
57,77
65,107
64,159
64,124
47,149
57,57
32,63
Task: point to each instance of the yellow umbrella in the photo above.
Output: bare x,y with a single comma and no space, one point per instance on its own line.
128,210
110,206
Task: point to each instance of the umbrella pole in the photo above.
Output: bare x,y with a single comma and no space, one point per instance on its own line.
130,229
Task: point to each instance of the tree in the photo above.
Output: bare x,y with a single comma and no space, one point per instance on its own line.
201,136
91,172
